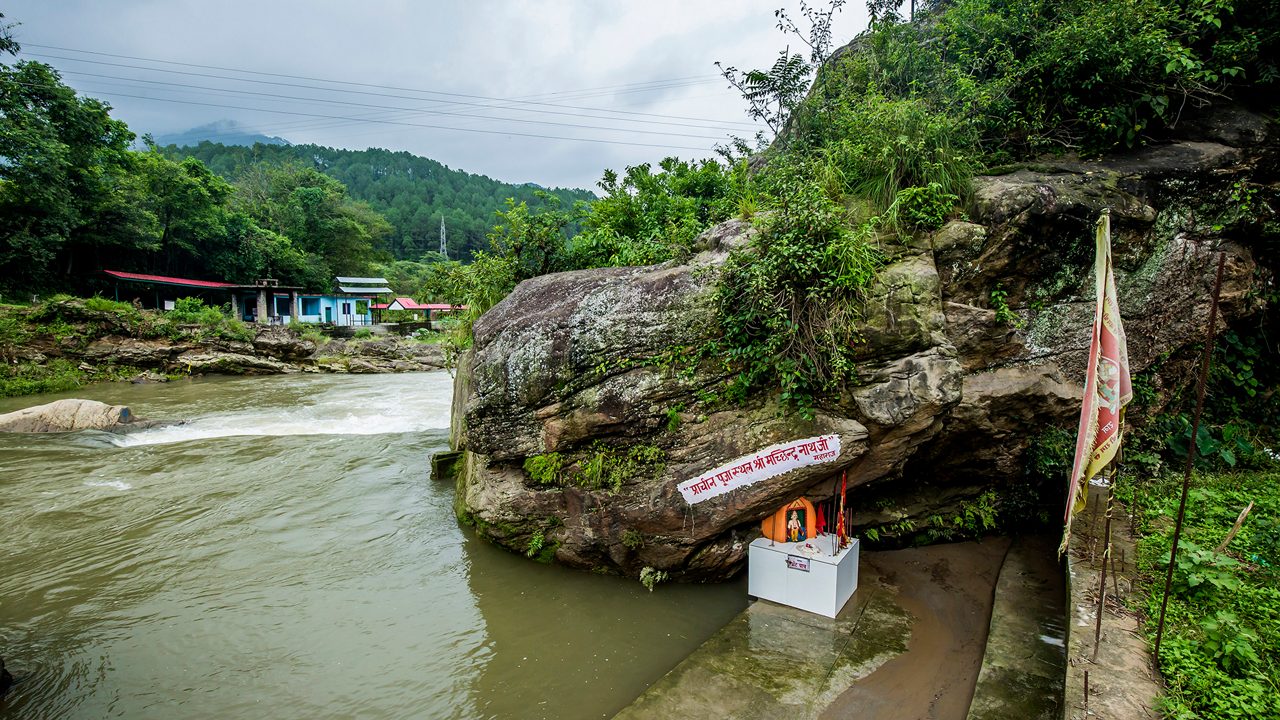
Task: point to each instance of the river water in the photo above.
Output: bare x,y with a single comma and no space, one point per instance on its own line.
286,554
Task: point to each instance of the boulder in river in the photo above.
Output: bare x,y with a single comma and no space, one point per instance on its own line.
70,415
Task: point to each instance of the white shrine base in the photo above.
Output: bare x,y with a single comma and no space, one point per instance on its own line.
823,589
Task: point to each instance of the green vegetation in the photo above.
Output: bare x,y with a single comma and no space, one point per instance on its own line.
411,192
544,469
37,343
56,375
650,577
632,539
646,217
673,418
1000,303
1220,655
536,541
1092,76
598,467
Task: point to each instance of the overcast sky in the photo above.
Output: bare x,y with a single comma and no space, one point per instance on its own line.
643,71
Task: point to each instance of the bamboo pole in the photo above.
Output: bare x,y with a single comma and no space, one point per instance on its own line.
1191,452
1235,528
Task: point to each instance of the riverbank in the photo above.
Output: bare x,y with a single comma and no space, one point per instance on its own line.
908,644
69,343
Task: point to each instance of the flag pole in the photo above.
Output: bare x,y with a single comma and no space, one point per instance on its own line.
1191,450
1102,580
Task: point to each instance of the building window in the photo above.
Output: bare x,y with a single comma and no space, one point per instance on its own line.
282,306
346,308
310,306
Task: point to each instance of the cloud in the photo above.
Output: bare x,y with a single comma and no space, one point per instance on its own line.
590,55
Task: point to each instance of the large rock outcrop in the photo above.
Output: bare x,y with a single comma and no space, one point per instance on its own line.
579,408
69,416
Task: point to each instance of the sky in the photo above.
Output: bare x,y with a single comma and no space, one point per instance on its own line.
605,84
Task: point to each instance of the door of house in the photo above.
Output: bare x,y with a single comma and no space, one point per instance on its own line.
328,314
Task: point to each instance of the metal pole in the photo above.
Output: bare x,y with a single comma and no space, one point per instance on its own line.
1102,582
1191,452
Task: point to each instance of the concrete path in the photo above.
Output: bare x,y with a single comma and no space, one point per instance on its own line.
1025,662
909,644
1123,684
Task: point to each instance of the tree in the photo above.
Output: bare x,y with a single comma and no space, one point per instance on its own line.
7,43
341,236
534,242
773,94
189,204
66,183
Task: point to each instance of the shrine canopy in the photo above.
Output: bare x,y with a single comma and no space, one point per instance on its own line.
774,527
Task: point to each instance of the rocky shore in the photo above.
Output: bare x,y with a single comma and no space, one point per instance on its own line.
102,345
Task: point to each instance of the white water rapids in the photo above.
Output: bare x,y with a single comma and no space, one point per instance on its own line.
286,554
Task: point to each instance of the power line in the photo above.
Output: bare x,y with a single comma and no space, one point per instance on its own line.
700,78
414,110
389,107
408,124
340,82
268,82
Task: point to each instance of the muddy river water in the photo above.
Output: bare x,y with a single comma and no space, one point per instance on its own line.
285,554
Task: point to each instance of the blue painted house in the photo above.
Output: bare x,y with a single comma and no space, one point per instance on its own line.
336,308
266,301
351,305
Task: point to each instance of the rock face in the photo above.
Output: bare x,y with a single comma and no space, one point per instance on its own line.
68,416
579,410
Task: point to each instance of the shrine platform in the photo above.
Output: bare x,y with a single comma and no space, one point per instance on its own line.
909,643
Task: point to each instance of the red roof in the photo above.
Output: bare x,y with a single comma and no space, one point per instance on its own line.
411,304
165,280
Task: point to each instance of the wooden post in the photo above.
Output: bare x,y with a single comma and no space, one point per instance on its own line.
235,306
1235,529
293,306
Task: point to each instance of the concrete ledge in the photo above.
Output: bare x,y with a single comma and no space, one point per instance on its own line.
1122,681
1024,664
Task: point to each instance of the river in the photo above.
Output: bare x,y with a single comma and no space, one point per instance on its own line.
286,554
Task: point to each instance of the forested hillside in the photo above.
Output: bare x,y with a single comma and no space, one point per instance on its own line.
411,192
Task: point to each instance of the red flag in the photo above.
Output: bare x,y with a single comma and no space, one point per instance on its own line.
841,531
1107,387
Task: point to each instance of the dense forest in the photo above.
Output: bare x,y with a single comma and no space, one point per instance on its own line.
79,193
413,193
75,199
